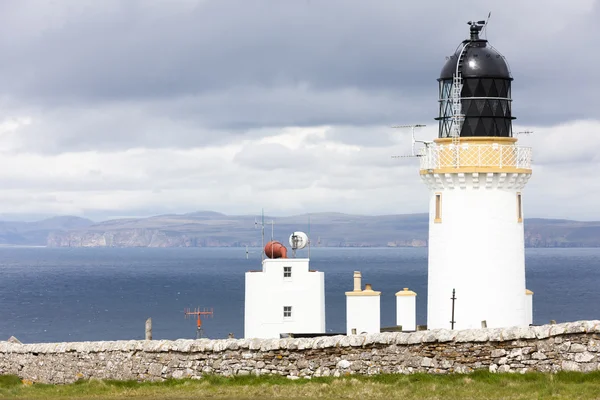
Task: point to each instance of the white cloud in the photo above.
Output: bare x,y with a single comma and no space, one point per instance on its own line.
298,170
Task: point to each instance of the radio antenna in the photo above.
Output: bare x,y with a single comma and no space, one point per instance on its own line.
262,233
486,24
413,139
309,236
198,313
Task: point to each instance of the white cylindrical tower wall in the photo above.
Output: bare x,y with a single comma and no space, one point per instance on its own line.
529,306
476,246
406,310
363,313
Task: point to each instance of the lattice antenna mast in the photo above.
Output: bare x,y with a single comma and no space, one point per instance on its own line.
198,313
413,140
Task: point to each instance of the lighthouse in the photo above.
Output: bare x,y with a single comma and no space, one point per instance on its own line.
476,172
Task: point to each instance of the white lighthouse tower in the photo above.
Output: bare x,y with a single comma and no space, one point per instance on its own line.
476,173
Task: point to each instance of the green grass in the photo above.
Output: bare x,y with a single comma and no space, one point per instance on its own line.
479,385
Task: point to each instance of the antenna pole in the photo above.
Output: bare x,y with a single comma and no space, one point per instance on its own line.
309,236
486,23
453,298
262,229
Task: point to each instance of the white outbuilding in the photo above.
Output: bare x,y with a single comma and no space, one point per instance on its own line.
284,297
363,313
406,310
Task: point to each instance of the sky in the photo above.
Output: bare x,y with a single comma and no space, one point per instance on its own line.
142,107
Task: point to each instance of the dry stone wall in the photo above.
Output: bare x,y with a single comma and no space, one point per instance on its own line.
570,346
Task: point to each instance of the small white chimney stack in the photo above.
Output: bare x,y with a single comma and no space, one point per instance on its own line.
529,306
406,310
357,281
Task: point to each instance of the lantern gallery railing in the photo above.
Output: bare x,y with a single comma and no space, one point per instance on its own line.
485,155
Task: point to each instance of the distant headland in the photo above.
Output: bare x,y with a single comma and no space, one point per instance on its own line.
212,229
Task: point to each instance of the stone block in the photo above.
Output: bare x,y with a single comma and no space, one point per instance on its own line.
570,366
558,329
541,332
577,348
584,357
444,335
471,335
538,356
402,338
498,353
305,343
575,327
426,362
357,340
415,337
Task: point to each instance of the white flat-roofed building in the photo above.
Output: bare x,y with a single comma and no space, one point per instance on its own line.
284,297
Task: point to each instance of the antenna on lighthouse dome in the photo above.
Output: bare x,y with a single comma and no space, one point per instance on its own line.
413,139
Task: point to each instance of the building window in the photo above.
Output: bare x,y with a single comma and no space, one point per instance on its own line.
519,208
287,272
287,312
438,208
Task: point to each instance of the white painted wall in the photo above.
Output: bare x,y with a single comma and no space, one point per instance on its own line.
406,310
267,292
363,314
529,306
477,249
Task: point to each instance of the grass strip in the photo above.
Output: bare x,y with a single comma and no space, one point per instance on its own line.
478,385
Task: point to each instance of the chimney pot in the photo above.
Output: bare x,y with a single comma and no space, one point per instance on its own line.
357,281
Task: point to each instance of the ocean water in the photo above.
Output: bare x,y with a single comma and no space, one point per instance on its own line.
50,295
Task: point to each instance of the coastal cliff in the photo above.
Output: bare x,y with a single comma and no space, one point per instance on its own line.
209,229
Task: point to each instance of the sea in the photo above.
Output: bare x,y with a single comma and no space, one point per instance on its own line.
85,294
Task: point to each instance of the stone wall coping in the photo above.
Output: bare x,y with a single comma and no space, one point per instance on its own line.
387,338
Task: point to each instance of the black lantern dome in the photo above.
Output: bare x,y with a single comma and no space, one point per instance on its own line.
485,97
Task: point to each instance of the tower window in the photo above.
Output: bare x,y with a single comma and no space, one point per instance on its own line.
519,208
438,208
287,272
287,312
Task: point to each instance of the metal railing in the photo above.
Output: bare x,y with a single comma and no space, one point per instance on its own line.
475,155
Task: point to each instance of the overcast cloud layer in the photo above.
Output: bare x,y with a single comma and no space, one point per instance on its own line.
129,108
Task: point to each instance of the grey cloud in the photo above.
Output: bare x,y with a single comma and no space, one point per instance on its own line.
196,67
201,120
